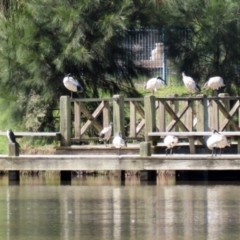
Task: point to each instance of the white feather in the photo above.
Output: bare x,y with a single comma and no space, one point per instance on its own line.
170,141
154,83
217,140
72,84
156,53
106,133
118,142
195,122
11,136
214,83
190,84
224,143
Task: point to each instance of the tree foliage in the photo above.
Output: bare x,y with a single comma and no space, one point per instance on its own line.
44,40
203,37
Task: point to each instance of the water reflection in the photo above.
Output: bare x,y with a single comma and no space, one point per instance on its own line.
102,208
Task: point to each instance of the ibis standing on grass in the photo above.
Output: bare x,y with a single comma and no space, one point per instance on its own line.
190,84
72,84
214,83
154,83
106,133
170,142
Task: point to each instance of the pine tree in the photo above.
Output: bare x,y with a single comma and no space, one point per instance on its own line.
44,40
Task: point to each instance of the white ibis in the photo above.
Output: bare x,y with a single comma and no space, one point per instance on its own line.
106,133
11,136
214,83
224,143
118,142
154,83
214,140
170,142
190,84
72,84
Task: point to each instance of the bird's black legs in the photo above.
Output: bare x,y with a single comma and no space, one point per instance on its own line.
166,151
170,151
220,151
214,150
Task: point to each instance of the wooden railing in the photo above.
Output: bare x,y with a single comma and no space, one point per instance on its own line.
136,117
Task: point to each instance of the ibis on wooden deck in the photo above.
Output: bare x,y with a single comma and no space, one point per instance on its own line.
190,84
216,140
72,84
224,143
154,83
11,137
118,142
170,142
106,133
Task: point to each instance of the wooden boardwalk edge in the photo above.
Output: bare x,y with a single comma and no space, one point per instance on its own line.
120,162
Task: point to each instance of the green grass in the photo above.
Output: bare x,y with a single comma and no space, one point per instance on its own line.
165,91
3,145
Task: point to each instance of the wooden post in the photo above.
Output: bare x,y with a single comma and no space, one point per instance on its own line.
65,120
161,119
202,114
105,114
214,115
189,125
175,107
77,120
122,175
145,151
13,177
226,104
65,177
150,116
118,120
13,151
189,116
132,120
118,114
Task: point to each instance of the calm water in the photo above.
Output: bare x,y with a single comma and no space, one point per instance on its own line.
101,208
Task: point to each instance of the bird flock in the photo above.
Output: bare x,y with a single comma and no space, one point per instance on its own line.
215,83
215,142
105,136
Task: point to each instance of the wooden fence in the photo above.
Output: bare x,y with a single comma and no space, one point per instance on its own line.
83,119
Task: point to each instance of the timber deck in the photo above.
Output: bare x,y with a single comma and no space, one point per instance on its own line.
120,162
